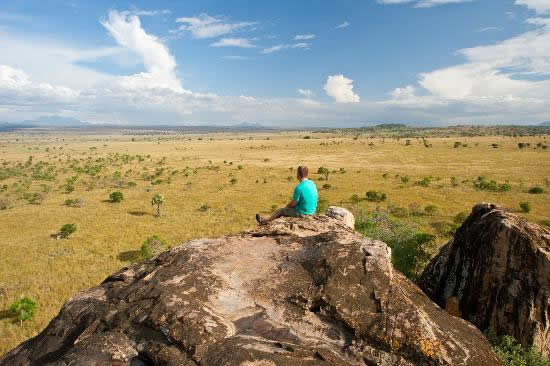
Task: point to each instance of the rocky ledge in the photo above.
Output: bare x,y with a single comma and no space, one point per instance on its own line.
495,273
308,291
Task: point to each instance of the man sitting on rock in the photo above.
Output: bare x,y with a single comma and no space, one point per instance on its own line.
304,199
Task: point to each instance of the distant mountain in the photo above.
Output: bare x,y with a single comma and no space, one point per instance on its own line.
547,123
248,126
54,121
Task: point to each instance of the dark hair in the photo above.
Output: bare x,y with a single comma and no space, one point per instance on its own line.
302,171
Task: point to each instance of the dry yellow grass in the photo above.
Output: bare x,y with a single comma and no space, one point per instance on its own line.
109,235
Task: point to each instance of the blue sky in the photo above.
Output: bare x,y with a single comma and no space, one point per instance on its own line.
284,63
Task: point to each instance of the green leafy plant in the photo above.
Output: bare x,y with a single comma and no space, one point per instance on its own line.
66,230
525,207
424,182
376,196
482,184
5,204
411,248
233,180
76,202
431,209
536,190
23,309
322,205
355,199
324,171
512,353
327,186
116,197
157,200
152,246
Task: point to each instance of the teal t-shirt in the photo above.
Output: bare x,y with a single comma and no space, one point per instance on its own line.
305,195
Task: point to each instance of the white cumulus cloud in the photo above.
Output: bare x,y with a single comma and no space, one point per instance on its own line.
539,6
159,63
206,26
341,89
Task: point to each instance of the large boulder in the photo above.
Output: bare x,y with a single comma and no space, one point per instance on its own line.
299,291
495,273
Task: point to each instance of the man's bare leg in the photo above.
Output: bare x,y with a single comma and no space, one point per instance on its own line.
274,216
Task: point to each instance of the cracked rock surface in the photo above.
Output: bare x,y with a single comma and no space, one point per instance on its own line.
495,273
307,291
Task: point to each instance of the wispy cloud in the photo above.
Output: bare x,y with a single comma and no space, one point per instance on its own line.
489,29
235,57
281,47
343,25
423,3
304,37
233,42
141,12
206,26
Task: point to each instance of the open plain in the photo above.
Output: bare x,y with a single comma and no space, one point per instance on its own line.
214,183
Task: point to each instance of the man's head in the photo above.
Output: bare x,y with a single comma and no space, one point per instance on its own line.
301,172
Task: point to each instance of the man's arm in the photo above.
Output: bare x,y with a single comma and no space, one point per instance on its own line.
291,204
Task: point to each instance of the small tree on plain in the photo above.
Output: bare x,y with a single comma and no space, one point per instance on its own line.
116,197
66,230
157,200
23,309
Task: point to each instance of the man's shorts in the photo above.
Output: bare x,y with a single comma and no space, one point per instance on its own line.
290,212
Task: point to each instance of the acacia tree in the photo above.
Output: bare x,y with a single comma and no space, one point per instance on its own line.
157,200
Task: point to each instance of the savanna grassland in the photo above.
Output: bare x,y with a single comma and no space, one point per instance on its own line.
214,183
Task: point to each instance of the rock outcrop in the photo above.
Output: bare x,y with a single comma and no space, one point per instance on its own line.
495,273
307,291
341,214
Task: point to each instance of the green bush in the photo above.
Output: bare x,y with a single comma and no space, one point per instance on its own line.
322,206
5,204
376,196
233,180
66,230
355,199
76,202
525,207
431,209
536,190
152,246
512,353
23,309
398,211
424,182
204,208
116,197
460,217
327,186
483,184
411,248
